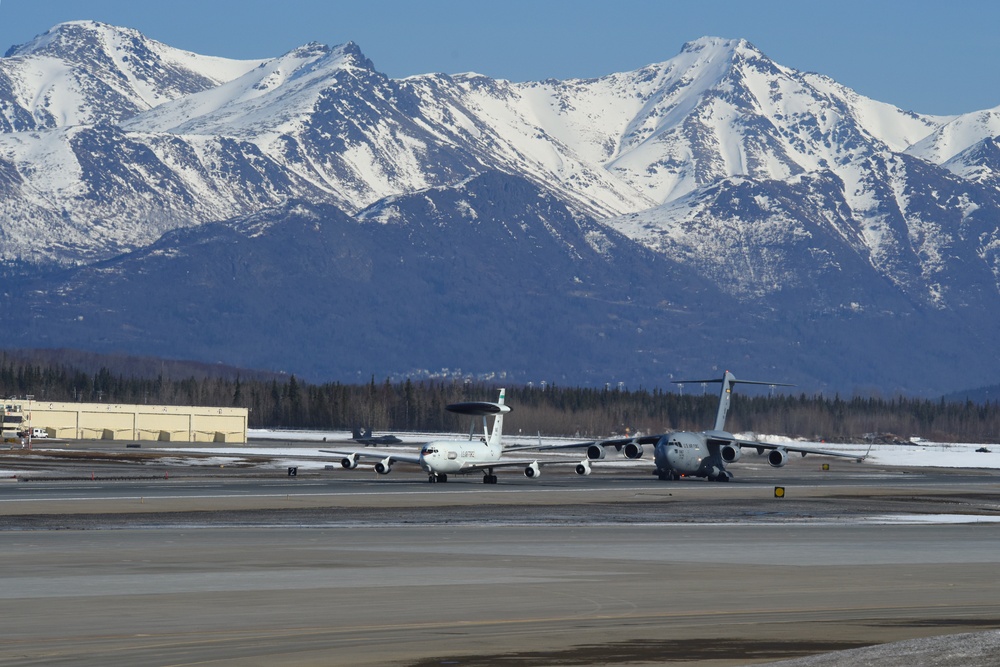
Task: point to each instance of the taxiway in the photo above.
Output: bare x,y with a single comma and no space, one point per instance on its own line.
251,566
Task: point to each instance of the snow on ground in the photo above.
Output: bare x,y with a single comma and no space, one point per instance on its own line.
931,518
922,453
915,454
292,435
287,448
918,454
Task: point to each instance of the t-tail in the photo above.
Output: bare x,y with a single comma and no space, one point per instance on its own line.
727,381
497,434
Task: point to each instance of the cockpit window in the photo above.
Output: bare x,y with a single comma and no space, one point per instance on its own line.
428,450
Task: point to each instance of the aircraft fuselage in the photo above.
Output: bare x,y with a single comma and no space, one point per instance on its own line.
684,453
449,456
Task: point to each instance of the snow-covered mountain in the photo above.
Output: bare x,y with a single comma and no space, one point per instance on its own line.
83,72
786,191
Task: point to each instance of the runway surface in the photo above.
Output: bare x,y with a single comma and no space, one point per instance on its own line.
180,567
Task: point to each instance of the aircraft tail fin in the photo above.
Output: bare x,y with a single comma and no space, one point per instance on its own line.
497,433
727,381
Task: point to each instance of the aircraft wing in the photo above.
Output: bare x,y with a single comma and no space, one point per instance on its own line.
762,446
394,457
512,463
541,448
577,445
614,442
717,437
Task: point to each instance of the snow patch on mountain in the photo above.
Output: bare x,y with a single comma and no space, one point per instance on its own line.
272,97
83,72
957,135
718,155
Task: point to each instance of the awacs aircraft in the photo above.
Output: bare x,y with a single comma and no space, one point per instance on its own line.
364,436
460,457
705,454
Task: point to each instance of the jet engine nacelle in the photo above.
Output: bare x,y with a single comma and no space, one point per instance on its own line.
384,467
632,451
777,458
595,452
533,470
583,467
730,453
350,462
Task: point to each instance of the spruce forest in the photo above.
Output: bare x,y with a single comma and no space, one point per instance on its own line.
279,401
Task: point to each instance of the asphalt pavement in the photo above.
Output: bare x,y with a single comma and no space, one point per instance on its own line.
163,563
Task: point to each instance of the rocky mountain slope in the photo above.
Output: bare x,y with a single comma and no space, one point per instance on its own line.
715,208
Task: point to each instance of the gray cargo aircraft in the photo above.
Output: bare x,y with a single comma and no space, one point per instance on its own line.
703,454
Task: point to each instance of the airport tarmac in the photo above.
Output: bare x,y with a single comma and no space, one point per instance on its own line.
337,568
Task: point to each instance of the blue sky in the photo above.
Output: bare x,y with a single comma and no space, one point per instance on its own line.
929,57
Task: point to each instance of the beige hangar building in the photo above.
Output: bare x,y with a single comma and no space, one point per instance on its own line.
108,421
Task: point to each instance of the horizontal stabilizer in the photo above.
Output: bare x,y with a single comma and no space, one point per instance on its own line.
478,408
727,381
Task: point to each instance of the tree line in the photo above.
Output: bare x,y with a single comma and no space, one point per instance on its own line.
286,402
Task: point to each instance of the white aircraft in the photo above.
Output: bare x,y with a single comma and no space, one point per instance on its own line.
704,454
441,458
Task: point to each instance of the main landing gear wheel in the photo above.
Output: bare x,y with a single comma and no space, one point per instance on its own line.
489,479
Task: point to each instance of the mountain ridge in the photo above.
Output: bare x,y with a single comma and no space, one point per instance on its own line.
800,208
